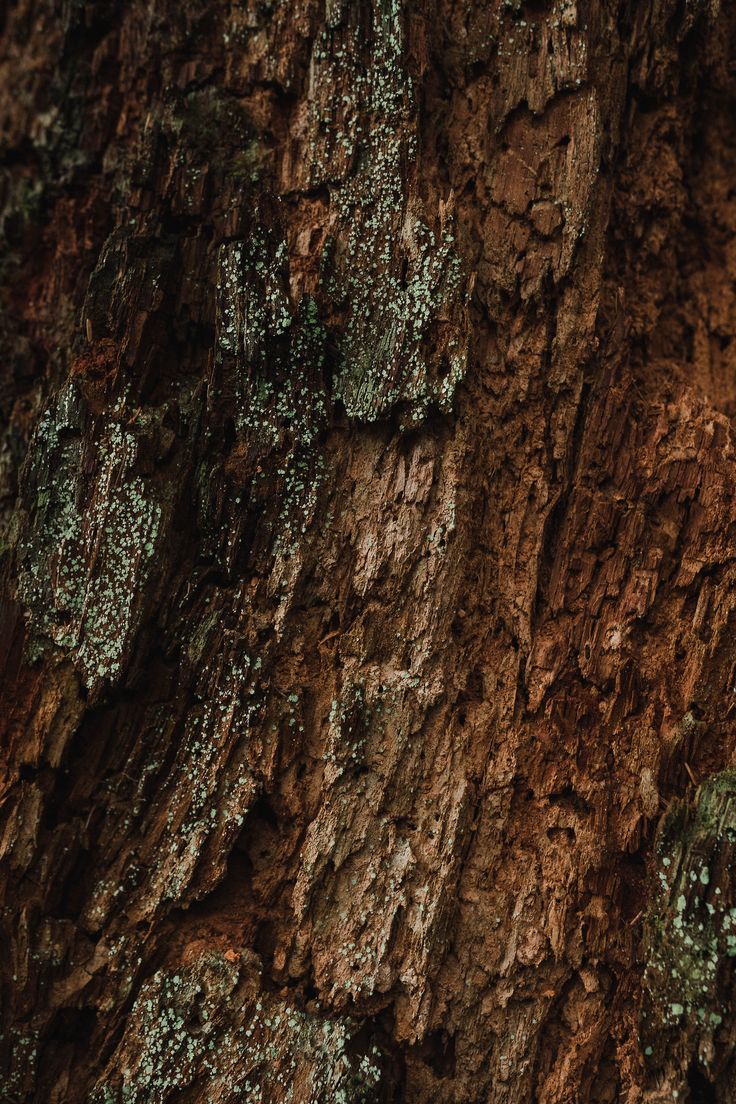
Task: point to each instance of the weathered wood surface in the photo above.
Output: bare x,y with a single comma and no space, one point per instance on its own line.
368,495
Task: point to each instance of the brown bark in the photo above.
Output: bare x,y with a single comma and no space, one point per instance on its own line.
368,581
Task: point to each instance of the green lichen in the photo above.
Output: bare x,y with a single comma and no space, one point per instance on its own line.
272,359
204,798
90,541
405,335
691,924
347,731
19,1070
209,1024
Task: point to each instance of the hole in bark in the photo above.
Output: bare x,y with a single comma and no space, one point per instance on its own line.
472,694
568,796
438,1052
404,273
476,69
228,434
262,811
702,1091
195,1022
379,1031
474,686
73,1025
606,1086
443,368
265,943
73,889
67,1045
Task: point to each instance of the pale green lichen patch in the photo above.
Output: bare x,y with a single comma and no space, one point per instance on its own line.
271,362
347,732
20,1064
91,538
398,278
209,788
208,801
691,925
210,1025
270,356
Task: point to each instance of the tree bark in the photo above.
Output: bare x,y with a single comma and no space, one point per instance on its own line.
368,513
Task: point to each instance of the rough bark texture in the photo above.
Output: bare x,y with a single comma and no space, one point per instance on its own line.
368,503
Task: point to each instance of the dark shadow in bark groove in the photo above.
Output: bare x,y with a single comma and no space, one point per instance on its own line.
702,1091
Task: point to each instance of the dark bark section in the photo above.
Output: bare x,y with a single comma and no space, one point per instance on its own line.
367,487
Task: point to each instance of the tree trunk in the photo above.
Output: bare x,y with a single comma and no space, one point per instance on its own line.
368,506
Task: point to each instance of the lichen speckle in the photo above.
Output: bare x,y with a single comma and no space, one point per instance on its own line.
271,359
92,542
406,330
210,1024
691,925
